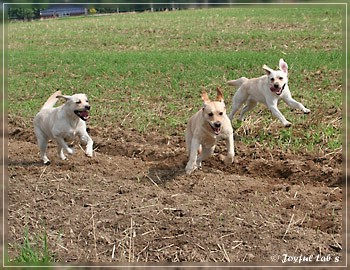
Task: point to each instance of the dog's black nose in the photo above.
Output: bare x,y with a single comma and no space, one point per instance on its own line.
276,86
217,124
87,107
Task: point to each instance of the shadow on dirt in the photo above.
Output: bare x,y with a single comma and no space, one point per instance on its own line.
161,174
25,163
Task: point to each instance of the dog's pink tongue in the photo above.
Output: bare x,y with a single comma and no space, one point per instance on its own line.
217,131
277,91
85,115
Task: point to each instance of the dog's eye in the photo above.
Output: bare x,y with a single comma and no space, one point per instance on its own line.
281,78
221,113
272,79
210,114
78,101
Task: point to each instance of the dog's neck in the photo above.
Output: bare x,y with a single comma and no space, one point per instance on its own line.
75,121
207,129
73,118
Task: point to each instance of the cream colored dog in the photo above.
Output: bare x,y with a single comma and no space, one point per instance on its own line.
204,128
267,89
63,122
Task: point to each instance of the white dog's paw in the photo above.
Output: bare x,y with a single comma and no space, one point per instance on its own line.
47,161
70,151
306,111
228,160
62,156
287,124
190,168
89,152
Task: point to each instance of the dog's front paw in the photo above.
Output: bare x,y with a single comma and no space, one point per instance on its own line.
70,151
88,153
288,124
47,162
306,111
190,168
228,160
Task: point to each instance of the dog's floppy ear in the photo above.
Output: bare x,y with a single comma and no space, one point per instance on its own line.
267,69
219,95
64,97
283,66
205,97
57,93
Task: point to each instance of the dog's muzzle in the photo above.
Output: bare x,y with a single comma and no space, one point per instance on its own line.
216,127
278,91
84,114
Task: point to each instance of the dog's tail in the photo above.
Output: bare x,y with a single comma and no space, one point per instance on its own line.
52,100
238,82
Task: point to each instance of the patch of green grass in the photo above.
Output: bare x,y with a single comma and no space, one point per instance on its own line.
36,252
146,70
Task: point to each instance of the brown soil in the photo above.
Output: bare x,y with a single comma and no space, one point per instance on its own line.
133,202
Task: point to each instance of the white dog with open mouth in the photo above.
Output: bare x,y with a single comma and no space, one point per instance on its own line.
63,122
203,129
267,89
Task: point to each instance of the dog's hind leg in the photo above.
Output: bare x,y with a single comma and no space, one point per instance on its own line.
238,99
249,106
42,142
43,151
